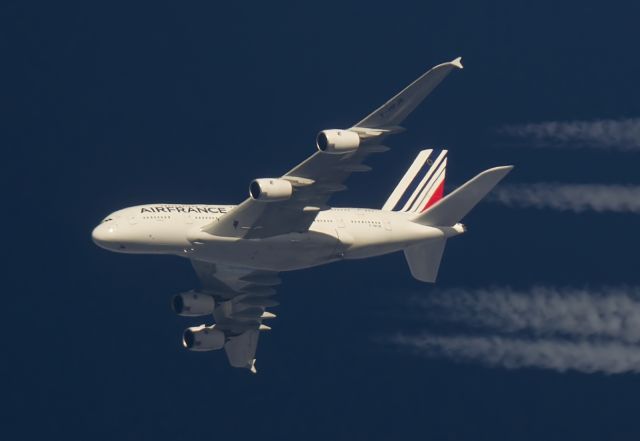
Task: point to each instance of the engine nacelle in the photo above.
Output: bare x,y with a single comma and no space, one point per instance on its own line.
193,304
337,141
270,190
203,338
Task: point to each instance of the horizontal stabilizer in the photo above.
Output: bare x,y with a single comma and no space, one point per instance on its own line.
451,209
424,259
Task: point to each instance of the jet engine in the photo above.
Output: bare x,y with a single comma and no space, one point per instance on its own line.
270,190
337,141
203,338
193,304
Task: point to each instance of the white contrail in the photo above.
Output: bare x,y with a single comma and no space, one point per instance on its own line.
587,330
615,134
570,197
607,313
511,353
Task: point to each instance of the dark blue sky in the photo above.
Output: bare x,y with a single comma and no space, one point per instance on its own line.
115,104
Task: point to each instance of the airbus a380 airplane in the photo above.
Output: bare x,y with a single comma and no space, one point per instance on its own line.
285,224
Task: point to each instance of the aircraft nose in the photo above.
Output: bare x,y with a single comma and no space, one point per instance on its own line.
103,235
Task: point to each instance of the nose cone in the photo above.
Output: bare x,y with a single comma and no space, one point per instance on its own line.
104,235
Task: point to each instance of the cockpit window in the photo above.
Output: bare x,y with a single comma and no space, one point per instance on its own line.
107,220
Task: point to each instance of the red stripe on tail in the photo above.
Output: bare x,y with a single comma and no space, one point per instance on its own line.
437,195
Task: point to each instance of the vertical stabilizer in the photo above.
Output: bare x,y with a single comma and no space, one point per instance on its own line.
422,185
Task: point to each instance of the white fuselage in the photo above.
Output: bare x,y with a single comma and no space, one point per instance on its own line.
335,234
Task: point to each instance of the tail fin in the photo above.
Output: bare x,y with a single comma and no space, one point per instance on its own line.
456,205
421,186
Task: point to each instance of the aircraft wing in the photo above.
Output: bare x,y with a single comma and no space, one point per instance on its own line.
322,174
242,296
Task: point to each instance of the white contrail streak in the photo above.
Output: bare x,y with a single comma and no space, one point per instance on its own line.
614,134
608,313
510,353
570,197
586,330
